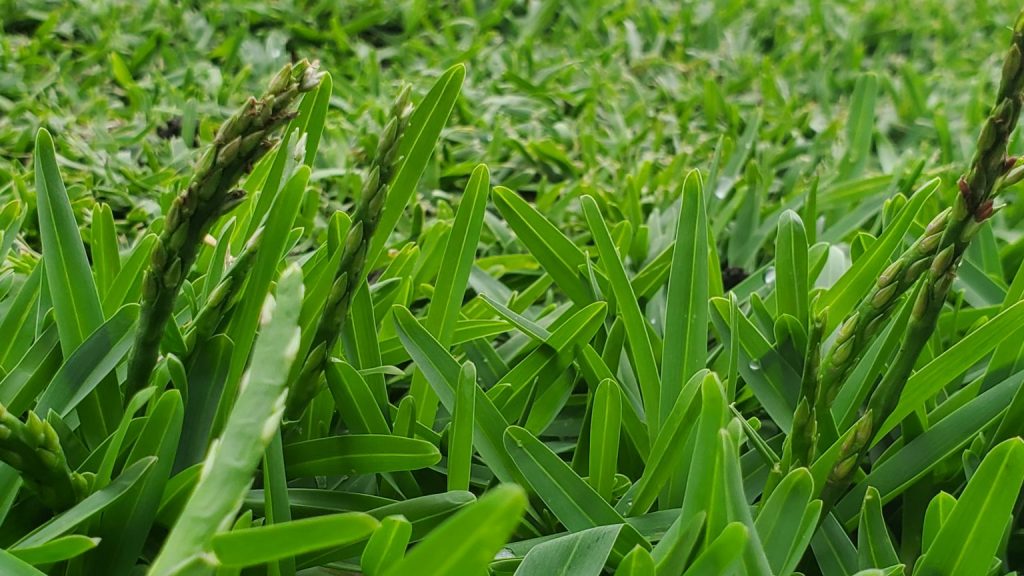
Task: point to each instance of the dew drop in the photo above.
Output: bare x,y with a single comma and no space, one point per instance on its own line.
754,365
769,275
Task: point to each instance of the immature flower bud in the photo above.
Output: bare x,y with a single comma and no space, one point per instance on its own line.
387,138
229,152
941,262
929,243
281,80
848,328
938,223
883,296
173,274
841,353
890,273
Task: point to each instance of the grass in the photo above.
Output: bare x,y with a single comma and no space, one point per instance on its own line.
513,288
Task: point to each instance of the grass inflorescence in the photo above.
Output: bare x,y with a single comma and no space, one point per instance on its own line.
658,289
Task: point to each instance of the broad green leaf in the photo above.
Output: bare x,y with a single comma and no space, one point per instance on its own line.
874,544
467,542
56,550
126,524
755,560
720,556
785,533
559,255
358,454
90,363
972,534
675,549
939,510
668,452
207,374
354,400
705,462
569,497
579,554
637,563
103,245
442,372
835,554
774,382
386,546
254,546
76,303
14,566
791,276
17,322
277,508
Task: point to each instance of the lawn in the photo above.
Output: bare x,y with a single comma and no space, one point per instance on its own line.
429,288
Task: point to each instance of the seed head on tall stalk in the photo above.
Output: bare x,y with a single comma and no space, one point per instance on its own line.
351,269
932,261
241,141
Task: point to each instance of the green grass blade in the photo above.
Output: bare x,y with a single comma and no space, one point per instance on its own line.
629,309
386,546
452,278
468,541
686,308
580,554
255,546
973,532
358,454
421,135
557,254
460,436
606,423
228,468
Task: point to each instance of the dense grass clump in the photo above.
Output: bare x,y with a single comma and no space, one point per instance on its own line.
517,288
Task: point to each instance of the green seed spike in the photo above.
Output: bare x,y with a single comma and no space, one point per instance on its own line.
224,295
33,449
240,143
350,272
972,206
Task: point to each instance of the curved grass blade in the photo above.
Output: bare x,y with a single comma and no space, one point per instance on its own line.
255,546
386,546
452,279
425,125
442,372
358,454
468,541
637,334
579,554
973,532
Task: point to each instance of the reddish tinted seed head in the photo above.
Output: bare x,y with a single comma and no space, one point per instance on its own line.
965,189
984,211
